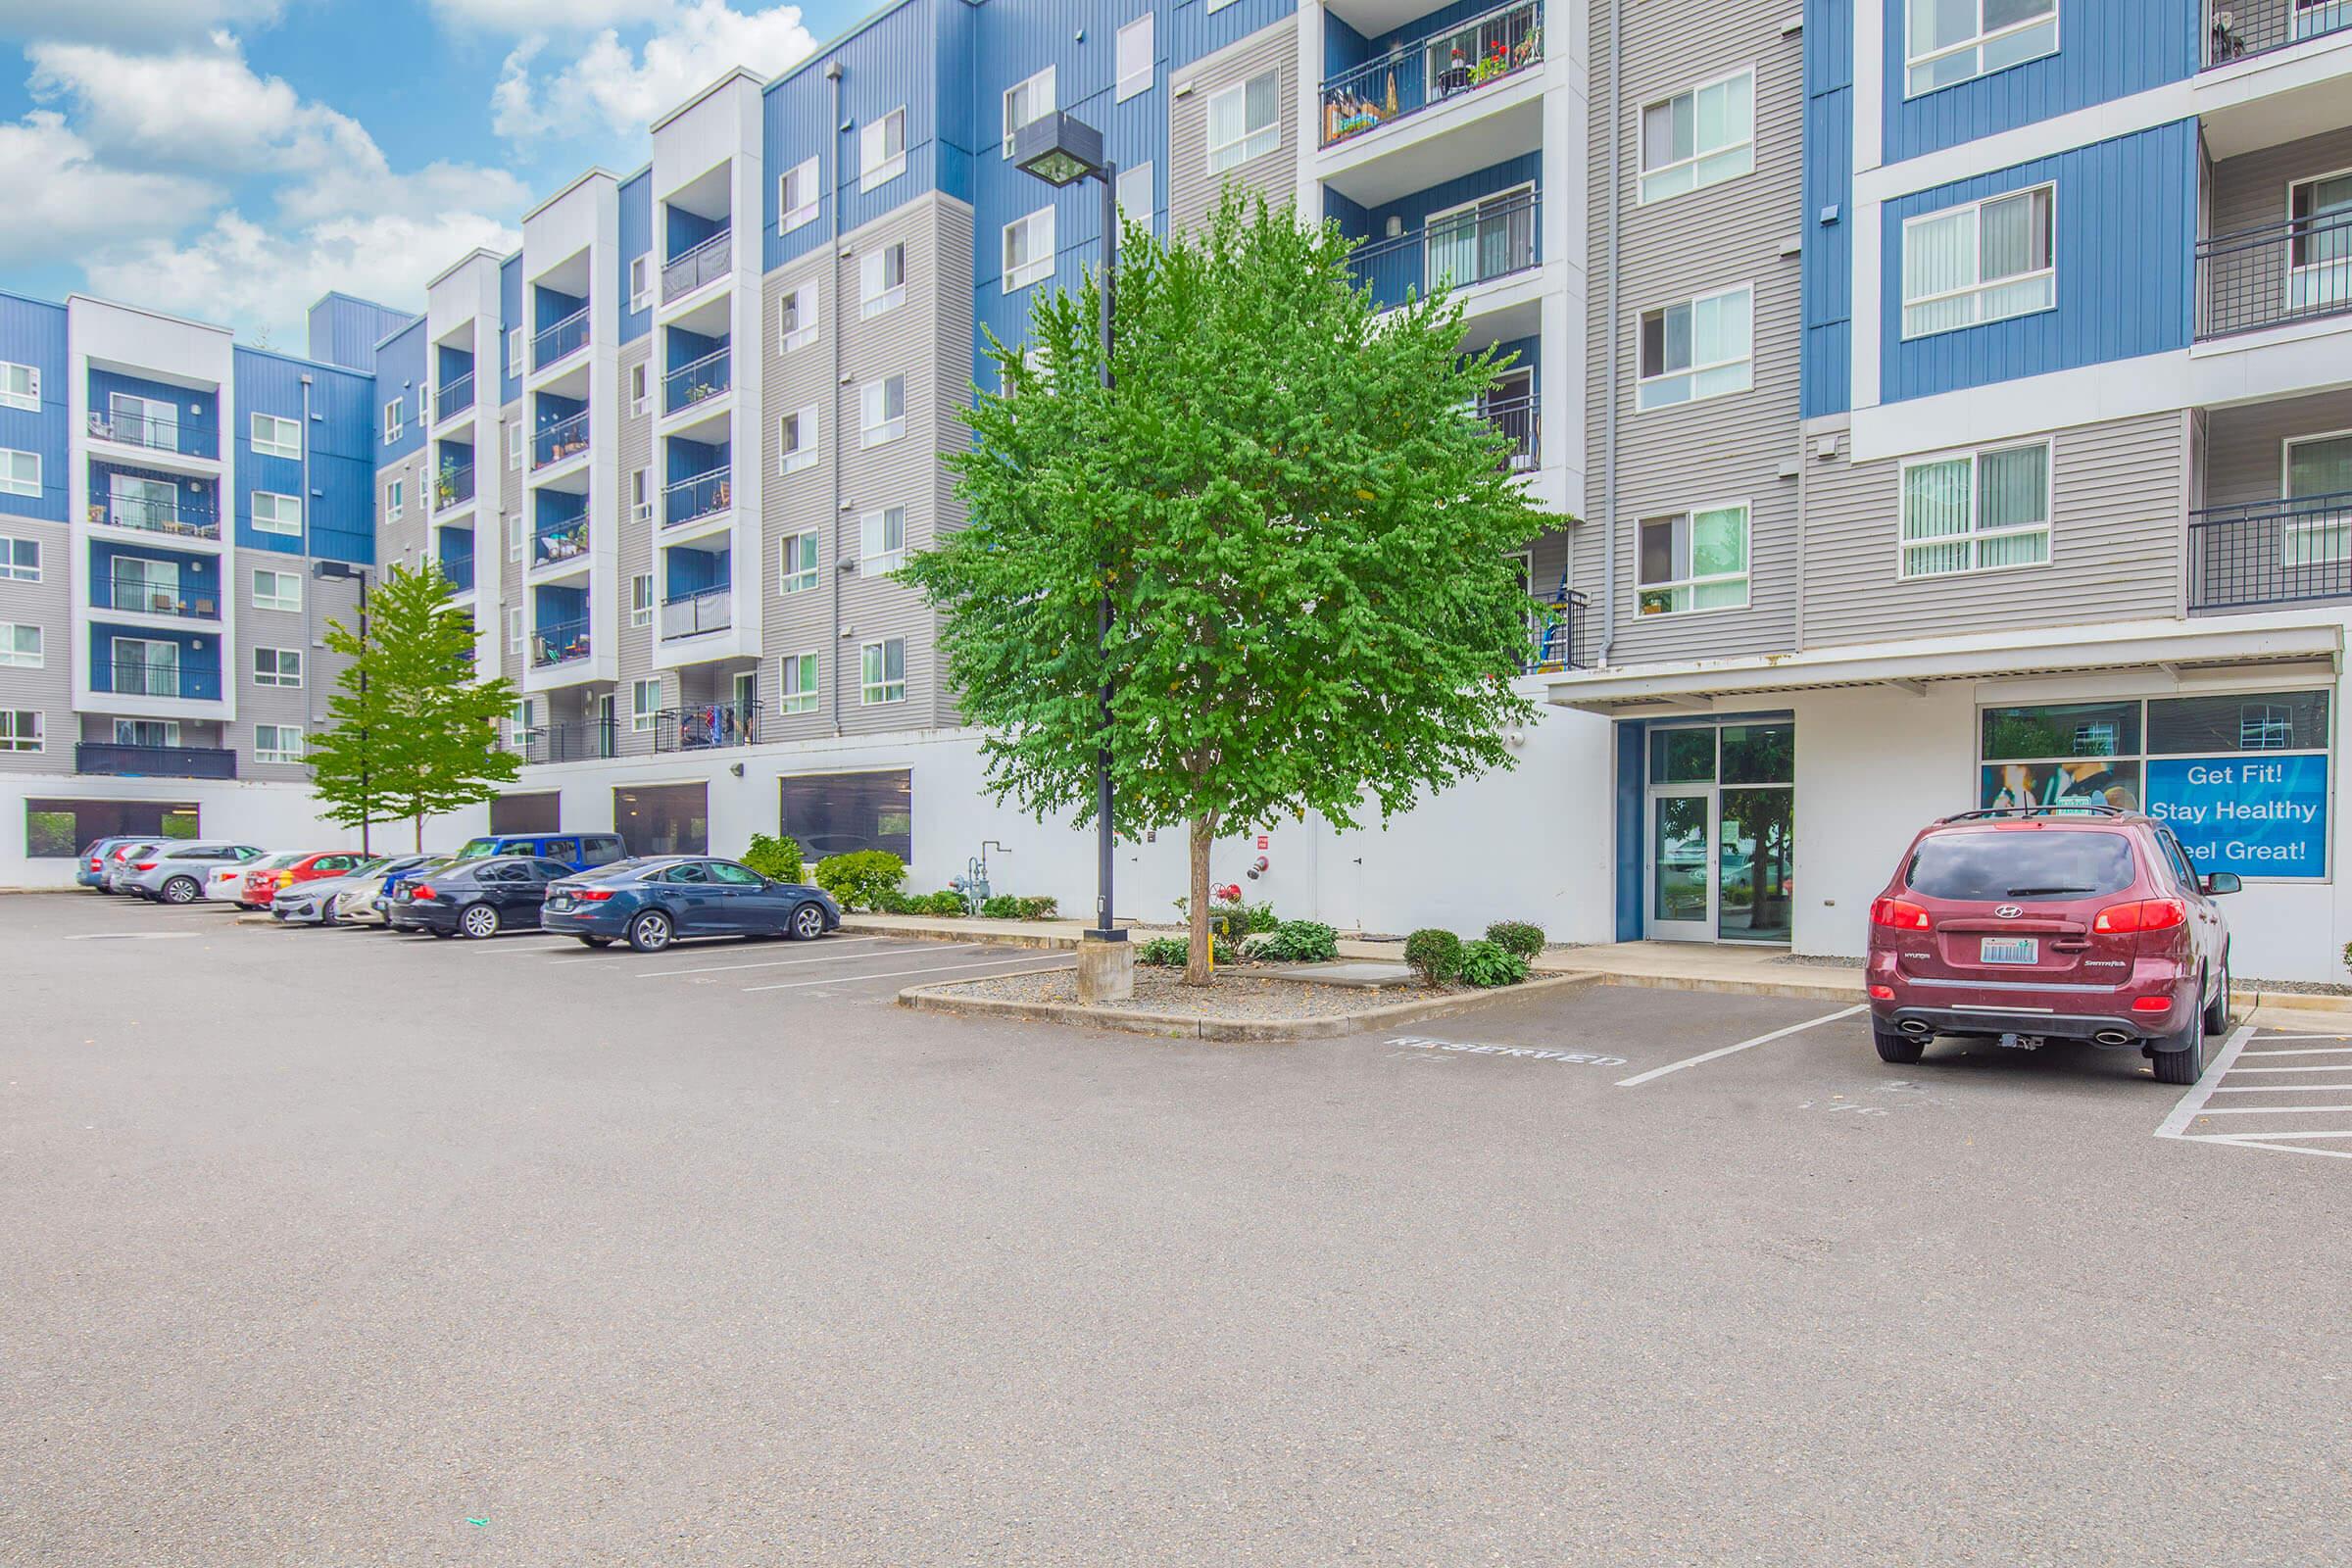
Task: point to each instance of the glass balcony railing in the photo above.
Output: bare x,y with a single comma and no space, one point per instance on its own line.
152,599
560,643
692,614
452,486
184,518
559,339
2268,553
695,382
2281,272
707,262
703,496
567,540
1473,244
1434,69
454,396
566,438
157,433
2244,27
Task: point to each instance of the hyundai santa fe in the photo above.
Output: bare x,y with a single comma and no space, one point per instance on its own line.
2087,925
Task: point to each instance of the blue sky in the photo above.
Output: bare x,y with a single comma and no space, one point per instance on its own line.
232,160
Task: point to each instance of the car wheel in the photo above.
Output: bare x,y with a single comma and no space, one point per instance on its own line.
2217,1007
479,920
1896,1045
182,890
2180,1058
596,942
807,923
650,932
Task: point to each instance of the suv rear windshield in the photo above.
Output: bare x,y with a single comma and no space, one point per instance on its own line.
2067,863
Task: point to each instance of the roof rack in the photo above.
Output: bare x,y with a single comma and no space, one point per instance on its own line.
2052,808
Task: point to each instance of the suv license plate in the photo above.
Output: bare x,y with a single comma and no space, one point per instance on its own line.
2010,950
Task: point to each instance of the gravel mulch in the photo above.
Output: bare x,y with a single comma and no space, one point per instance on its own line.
1235,996
1819,961
2300,988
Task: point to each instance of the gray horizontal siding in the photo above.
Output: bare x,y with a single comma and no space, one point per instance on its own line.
1192,189
47,604
2245,448
2249,191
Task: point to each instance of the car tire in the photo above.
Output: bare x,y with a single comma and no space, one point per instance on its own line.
651,932
1896,1047
477,921
2217,1006
2180,1058
182,890
807,923
596,942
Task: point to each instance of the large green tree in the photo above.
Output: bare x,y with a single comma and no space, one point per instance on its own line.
1302,531
416,732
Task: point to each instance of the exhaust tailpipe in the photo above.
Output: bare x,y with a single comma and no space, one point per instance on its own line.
1914,1027
2111,1037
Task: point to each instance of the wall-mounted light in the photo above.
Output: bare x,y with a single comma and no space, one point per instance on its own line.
1396,227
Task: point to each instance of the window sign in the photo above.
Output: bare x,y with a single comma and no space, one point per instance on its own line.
2253,814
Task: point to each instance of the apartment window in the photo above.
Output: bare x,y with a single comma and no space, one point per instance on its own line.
1697,350
882,540
1135,57
148,732
515,351
514,444
1700,137
1245,123
2318,465
641,283
1952,42
515,630
1977,512
394,421
395,500
645,703
641,496
276,743
19,472
637,379
277,590
796,318
20,560
1696,560
516,536
882,150
1136,197
1986,262
885,672
273,437
882,276
796,440
641,599
20,729
277,513
798,569
1027,101
796,196
2319,245
1029,249
885,410
796,683
21,647
19,386
277,666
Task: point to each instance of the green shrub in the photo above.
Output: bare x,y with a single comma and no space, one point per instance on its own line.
1296,942
1240,919
1007,907
1522,937
1039,908
890,901
862,879
1434,956
778,859
1486,964
946,902
1166,952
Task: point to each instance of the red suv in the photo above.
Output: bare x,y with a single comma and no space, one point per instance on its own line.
2071,922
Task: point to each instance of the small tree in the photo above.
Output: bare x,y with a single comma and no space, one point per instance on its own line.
1301,529
415,732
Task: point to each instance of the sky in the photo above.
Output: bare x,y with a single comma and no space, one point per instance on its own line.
232,160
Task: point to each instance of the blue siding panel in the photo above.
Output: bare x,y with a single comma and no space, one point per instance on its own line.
636,239
1633,769
400,374
199,666
1826,374
199,412
345,331
34,332
199,575
339,508
2127,223
1195,30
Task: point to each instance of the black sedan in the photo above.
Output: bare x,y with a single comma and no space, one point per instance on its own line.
475,898
651,902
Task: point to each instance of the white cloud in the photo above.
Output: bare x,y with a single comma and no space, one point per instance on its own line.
519,16
693,44
145,21
62,198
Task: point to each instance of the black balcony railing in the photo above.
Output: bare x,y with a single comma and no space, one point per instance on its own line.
707,262
692,614
559,642
2241,27
190,438
699,729
559,541
1561,634
186,518
452,486
146,599
1469,245
560,338
589,739
2281,273
2281,551
566,438
1515,420
154,761
130,677
459,569
695,382
453,398
702,496
1432,70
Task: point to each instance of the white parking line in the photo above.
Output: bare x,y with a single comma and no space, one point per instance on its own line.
896,974
794,964
2306,1037
2263,1141
2202,1089
1725,1050
2302,1051
2331,1066
2271,1110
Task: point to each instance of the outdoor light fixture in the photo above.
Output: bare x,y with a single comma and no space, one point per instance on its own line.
1060,149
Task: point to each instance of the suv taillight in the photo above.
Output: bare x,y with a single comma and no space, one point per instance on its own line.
144,866
1898,914
2141,914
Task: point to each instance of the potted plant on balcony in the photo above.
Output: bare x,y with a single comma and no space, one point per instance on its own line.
445,487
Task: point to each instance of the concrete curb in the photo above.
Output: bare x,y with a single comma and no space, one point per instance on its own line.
1801,989
934,999
961,931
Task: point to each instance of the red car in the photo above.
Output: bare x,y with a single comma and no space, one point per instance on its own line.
262,885
2067,922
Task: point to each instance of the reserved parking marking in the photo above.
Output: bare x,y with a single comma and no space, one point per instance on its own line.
1744,1044
896,974
1579,1059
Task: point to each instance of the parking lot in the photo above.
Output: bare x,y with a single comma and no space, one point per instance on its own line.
340,1247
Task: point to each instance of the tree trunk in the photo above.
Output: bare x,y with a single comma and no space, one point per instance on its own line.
419,821
1196,904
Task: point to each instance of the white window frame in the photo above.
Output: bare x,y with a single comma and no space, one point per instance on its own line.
395,420
803,299
788,215
277,674
641,283
1976,41
641,717
11,484
792,577
1504,202
1691,514
1147,213
873,526
877,165
1238,152
16,736
1695,368
11,397
271,445
10,569
1978,289
1037,231
1135,78
890,691
1699,156
796,440
14,657
517,536
515,445
278,502
641,599
395,500
1039,84
166,731
874,432
640,385
794,693
877,295
273,600
641,495
275,749
514,351
1976,535
514,630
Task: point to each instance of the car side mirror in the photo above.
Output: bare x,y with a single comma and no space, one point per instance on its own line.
2224,882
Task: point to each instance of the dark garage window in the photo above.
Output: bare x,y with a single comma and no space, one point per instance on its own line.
833,813
56,830
663,818
526,814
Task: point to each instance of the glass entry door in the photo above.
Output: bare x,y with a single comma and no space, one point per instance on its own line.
1719,842
1752,828
1681,886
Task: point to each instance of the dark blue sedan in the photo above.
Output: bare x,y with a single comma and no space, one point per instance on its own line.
651,902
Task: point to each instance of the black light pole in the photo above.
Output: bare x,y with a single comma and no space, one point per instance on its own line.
1061,150
343,571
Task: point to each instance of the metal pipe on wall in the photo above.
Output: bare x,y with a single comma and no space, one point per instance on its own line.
832,198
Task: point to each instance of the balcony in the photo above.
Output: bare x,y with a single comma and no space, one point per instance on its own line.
453,398
181,519
145,599
1559,640
555,542
695,382
705,495
2246,27
154,761
560,643
692,614
459,569
131,678
2292,271
185,438
1469,245
707,262
1434,69
702,729
586,741
1514,419
2268,553
452,486
566,438
560,339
